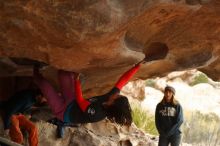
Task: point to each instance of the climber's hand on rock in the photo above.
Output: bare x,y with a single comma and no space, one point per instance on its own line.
141,62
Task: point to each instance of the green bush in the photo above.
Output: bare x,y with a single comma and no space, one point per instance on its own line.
201,129
150,83
200,78
144,120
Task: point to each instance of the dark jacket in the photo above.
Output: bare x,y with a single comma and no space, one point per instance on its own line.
92,110
168,119
18,103
95,111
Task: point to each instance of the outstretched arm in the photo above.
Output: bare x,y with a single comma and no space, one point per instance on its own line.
127,76
83,103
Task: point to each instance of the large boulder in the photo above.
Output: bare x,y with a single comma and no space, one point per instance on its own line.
102,38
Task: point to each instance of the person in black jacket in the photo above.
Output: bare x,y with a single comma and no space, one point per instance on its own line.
168,119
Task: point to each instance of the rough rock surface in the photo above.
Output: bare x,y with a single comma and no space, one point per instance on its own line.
103,38
102,133
134,90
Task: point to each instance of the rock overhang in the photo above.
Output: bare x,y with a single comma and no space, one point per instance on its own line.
102,39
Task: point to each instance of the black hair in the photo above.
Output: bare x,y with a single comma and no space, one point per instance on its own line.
120,111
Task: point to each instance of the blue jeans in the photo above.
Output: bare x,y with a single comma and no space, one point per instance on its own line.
174,140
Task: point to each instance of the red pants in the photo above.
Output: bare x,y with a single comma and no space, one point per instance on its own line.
21,122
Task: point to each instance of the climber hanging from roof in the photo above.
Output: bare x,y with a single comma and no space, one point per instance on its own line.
71,107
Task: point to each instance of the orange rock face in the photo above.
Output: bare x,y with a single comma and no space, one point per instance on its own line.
103,38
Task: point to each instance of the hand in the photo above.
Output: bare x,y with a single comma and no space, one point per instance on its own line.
141,62
75,75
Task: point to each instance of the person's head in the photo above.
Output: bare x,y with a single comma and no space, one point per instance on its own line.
169,93
120,111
